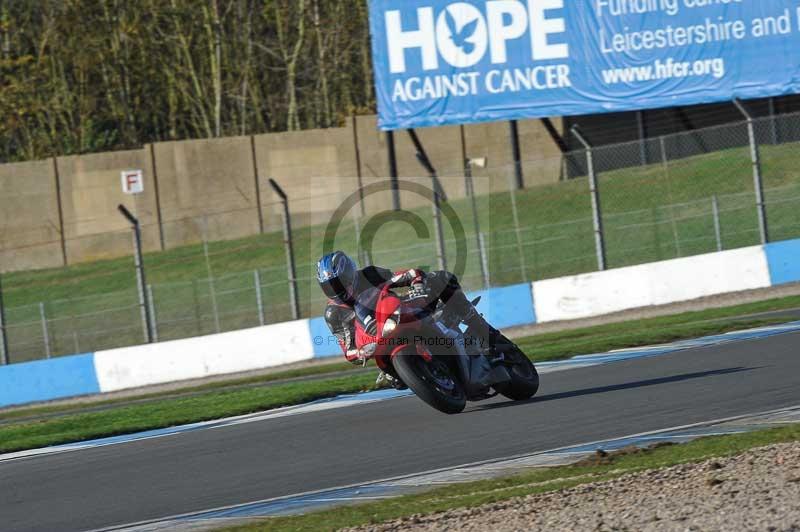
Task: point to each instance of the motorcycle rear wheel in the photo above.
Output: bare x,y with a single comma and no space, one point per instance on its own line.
524,377
433,382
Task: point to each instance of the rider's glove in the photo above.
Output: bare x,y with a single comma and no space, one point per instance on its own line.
354,356
415,280
361,356
407,278
417,293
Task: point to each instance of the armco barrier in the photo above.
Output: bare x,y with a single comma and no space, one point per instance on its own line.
784,262
508,306
325,344
193,358
145,365
659,283
45,380
574,297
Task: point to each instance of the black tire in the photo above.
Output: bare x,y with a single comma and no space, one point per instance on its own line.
426,380
524,377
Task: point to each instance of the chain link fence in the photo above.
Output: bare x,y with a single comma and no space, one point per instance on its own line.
697,192
666,197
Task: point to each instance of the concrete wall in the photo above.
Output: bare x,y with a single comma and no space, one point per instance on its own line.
211,188
30,234
541,159
207,188
315,168
91,190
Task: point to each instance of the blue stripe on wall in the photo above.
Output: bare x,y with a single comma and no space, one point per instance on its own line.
509,306
324,342
784,261
45,380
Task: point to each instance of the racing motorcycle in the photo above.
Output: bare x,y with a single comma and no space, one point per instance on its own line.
441,364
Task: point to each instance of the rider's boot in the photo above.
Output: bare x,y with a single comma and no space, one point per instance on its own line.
491,338
477,327
394,382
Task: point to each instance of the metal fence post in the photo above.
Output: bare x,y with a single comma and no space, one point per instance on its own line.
438,196
140,276
675,233
197,316
470,190
45,333
359,252
364,255
755,157
4,355
717,226
259,297
484,260
642,129
773,123
656,232
212,293
523,267
599,237
294,299
665,168
437,222
153,318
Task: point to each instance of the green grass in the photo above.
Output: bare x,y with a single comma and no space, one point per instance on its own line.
542,480
172,412
651,213
333,368
215,401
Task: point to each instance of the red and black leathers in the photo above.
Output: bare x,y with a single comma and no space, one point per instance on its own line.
433,287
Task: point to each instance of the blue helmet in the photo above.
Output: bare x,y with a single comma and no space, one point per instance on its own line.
336,273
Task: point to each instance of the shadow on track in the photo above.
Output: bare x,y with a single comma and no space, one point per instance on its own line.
616,387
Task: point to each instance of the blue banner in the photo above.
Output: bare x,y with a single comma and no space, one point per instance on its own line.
443,62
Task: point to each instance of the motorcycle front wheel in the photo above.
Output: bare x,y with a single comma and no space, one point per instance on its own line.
433,382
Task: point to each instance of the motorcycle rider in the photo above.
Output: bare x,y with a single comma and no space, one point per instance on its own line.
350,290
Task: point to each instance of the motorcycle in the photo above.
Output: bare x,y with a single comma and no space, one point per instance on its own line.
443,365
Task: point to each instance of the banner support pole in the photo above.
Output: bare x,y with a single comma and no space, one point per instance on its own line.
395,185
519,179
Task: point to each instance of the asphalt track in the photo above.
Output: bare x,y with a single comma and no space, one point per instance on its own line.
149,479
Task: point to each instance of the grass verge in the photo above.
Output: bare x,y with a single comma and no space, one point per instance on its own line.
537,481
335,368
172,412
224,399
